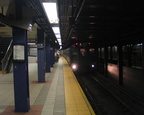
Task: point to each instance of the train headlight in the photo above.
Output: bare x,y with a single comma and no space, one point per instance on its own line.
74,67
92,65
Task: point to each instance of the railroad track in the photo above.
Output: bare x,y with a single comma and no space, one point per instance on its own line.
109,99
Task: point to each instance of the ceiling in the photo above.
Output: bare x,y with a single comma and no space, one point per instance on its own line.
100,21
32,13
95,21
5,29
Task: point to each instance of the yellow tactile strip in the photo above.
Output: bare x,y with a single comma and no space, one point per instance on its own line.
3,72
75,99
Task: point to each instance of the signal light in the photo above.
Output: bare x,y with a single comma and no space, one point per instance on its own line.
76,43
89,43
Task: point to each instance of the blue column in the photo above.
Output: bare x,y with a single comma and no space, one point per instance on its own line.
41,55
48,60
20,73
52,56
54,60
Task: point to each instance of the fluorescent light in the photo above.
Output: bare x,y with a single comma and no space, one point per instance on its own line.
59,40
30,27
60,47
56,30
58,36
51,11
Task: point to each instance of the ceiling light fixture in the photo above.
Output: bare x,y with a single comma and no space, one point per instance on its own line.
52,15
51,11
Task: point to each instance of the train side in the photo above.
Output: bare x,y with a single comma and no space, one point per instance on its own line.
105,61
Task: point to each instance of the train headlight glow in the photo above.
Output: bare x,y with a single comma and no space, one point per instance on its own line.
74,67
92,66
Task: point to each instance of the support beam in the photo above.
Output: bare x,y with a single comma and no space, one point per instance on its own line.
120,64
52,56
106,61
21,82
41,55
48,58
96,52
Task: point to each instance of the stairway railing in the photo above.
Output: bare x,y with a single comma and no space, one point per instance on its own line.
6,58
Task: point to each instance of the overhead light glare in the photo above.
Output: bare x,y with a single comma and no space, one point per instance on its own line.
56,30
57,34
73,37
91,16
92,23
30,27
51,11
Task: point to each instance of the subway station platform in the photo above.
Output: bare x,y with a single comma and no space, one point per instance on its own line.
60,94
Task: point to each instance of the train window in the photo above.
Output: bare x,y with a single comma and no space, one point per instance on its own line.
114,53
91,51
109,52
136,56
102,53
99,52
126,55
83,52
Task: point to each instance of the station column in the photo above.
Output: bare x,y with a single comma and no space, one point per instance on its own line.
48,58
120,64
41,55
96,58
52,56
106,61
20,67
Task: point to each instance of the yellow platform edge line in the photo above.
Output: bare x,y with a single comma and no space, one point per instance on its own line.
3,72
85,98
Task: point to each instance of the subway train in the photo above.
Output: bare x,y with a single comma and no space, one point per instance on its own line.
81,57
85,58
